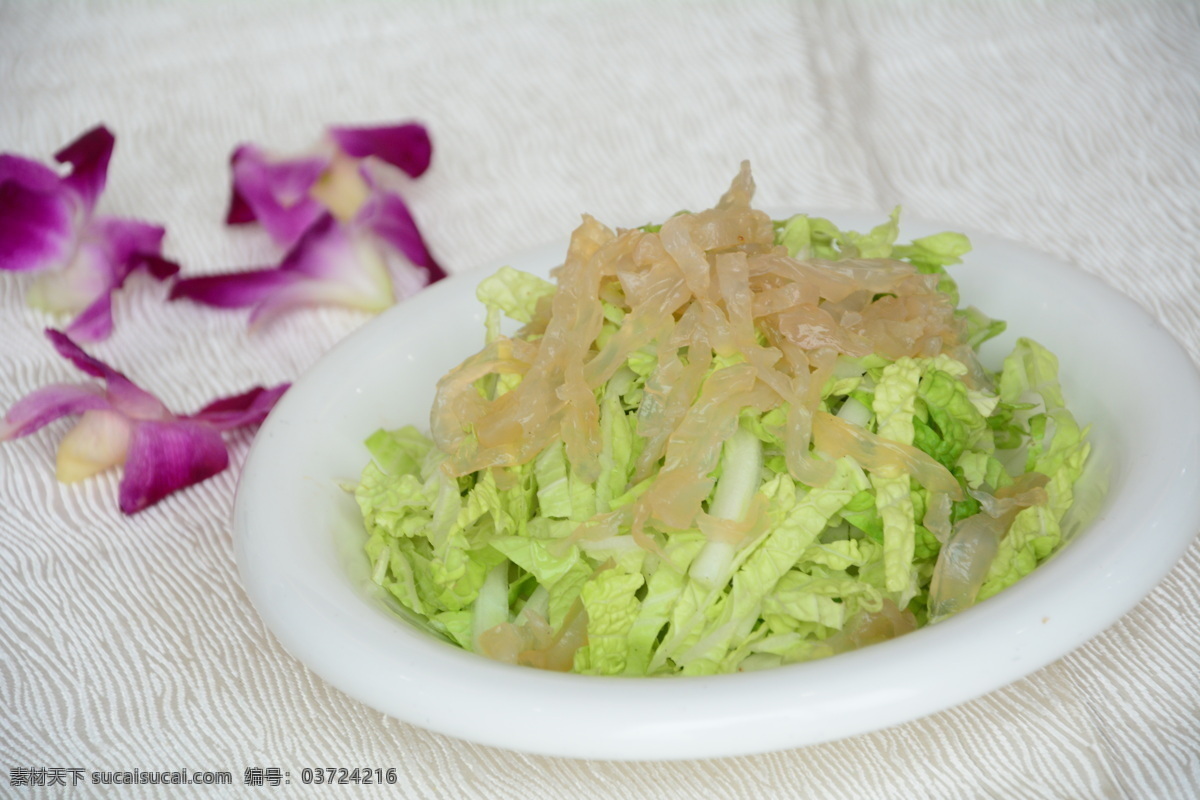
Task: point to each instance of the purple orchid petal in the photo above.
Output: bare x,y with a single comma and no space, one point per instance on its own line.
322,268
406,146
232,289
36,215
122,246
305,293
47,223
338,267
166,456
122,424
324,251
29,173
248,408
127,240
388,217
240,212
43,406
129,245
158,267
88,156
75,354
109,251
275,193
94,323
325,267
332,263
124,395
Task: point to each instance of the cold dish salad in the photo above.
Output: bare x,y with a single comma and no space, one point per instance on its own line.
719,444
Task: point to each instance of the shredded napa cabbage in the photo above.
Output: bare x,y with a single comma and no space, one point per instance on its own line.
718,444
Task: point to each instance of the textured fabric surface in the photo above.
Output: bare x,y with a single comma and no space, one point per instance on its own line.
129,642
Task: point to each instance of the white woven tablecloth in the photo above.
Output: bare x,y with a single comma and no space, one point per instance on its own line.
129,643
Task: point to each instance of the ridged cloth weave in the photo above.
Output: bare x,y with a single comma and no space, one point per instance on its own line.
126,643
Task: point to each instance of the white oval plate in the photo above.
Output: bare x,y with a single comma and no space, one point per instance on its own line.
299,539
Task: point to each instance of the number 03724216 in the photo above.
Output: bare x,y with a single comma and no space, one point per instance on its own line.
330,775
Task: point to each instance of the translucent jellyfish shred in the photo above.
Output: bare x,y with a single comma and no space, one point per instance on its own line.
837,438
670,391
694,447
731,322
741,191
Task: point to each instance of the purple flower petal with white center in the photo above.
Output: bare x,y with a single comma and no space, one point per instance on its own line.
165,457
121,423
288,195
326,267
95,322
367,263
406,146
122,393
47,224
41,213
109,252
275,192
388,217
47,404
36,215
114,250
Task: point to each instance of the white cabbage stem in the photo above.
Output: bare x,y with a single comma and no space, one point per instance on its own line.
491,606
741,474
854,412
